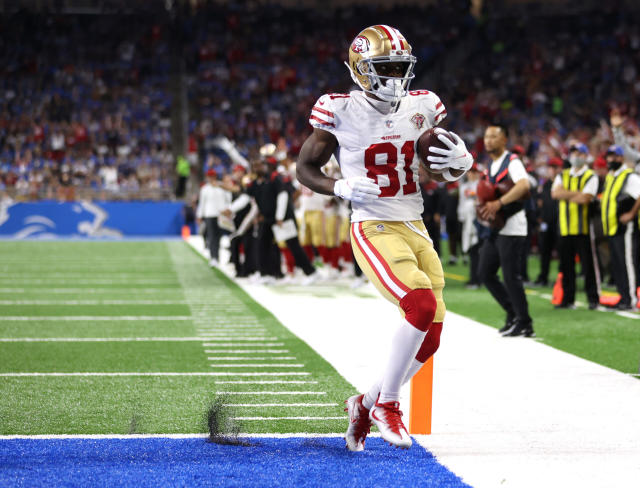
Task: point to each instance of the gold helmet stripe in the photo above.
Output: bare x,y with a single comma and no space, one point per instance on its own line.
396,41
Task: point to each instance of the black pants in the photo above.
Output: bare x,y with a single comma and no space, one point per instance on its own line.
474,261
569,247
300,257
213,236
246,266
623,265
505,252
268,252
547,244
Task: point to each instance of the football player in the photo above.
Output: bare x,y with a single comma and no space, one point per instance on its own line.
372,133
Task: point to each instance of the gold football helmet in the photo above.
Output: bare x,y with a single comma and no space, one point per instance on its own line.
376,45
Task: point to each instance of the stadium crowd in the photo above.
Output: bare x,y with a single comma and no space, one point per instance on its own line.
78,116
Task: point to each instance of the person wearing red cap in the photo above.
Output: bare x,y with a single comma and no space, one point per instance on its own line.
548,220
575,188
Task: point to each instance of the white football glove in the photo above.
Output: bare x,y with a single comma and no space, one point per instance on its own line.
357,189
456,157
223,143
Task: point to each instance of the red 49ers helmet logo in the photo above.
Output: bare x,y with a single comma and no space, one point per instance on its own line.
418,120
360,45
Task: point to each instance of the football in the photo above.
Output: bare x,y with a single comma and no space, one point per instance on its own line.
485,191
430,138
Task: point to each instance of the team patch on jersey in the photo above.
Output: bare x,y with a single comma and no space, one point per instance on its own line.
418,121
389,123
360,45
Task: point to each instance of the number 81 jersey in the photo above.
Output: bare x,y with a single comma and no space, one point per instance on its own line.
380,146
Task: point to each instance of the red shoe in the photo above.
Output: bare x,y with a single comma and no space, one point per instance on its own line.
359,423
388,418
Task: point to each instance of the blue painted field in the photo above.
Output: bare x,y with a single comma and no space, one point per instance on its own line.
273,462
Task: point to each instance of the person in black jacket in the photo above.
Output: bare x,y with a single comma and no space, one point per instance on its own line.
548,220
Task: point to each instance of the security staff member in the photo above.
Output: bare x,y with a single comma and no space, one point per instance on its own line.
505,249
575,188
619,207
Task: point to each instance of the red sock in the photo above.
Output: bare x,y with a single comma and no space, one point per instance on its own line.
347,255
322,250
308,249
289,260
334,255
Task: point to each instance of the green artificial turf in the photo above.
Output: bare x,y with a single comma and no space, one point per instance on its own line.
600,336
40,276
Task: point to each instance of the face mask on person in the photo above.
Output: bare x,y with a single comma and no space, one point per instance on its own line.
614,165
576,161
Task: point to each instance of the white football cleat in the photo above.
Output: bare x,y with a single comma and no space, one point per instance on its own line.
359,423
388,418
310,279
213,262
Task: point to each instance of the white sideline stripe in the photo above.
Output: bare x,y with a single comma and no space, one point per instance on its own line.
243,358
91,318
290,418
245,351
248,337
271,392
238,343
280,404
629,315
274,382
199,373
274,365
169,436
101,339
92,302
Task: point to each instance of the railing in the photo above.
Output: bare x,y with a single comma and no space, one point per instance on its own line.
74,193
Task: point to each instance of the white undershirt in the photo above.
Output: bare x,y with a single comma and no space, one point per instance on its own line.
516,225
590,187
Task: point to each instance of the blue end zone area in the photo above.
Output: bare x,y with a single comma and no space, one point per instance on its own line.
273,462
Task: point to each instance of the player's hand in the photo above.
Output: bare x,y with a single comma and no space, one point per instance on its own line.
279,223
357,189
227,213
456,157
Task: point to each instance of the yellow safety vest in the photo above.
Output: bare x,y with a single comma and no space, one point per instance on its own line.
574,218
612,187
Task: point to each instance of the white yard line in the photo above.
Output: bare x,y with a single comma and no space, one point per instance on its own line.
92,318
275,382
101,339
268,405
246,351
240,343
169,436
290,418
121,373
252,358
91,302
123,281
63,291
259,393
269,365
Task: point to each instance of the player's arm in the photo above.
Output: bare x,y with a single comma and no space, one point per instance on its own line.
314,154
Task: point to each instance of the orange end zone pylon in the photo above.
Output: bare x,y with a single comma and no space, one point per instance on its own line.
421,400
186,232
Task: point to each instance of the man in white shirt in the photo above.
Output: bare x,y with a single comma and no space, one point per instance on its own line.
575,188
213,199
505,249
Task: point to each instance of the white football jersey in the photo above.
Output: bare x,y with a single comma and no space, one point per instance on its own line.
381,147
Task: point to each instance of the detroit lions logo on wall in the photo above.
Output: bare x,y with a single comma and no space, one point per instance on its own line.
418,121
360,45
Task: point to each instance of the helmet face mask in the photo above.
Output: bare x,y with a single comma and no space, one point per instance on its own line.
374,48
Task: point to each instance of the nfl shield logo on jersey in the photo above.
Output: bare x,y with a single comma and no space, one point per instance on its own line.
418,121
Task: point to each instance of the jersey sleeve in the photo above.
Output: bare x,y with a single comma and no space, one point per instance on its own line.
434,108
517,171
323,115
